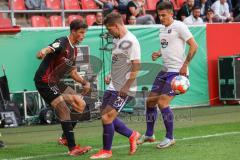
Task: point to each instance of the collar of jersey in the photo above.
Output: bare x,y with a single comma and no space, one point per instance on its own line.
70,42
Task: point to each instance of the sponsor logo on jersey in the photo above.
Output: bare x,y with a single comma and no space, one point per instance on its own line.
164,43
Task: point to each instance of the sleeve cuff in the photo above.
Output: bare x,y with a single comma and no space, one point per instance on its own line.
52,48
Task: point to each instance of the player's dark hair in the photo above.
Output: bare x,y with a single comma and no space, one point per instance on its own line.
78,24
113,18
165,5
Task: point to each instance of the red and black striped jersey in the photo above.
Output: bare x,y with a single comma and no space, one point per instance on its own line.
59,63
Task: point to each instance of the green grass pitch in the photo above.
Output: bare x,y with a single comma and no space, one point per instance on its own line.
207,133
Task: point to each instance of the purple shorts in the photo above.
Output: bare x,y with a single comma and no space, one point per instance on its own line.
162,83
112,99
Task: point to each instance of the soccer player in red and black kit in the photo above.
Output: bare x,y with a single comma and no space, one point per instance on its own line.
58,62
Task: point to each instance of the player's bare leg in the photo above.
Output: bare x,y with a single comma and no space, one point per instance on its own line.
63,113
74,99
77,103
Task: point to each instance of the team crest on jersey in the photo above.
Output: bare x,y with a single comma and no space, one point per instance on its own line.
169,31
164,43
56,45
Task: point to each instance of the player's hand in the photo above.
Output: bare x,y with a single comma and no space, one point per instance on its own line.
107,79
40,55
156,55
124,91
183,70
86,88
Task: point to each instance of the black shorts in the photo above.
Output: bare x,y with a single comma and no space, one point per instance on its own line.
50,92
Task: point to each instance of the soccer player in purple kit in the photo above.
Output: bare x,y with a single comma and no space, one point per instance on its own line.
173,38
126,57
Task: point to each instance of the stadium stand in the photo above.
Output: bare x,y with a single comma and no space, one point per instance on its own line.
4,5
53,4
39,21
89,4
5,22
73,17
17,5
124,17
82,8
55,11
90,19
71,4
151,4
55,21
177,4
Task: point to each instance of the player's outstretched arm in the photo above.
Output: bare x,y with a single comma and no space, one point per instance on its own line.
43,52
133,75
192,50
78,78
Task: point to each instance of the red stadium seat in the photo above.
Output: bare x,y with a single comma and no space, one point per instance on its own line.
177,4
90,19
71,5
73,17
5,22
39,21
180,3
53,4
89,4
17,4
151,4
145,5
55,21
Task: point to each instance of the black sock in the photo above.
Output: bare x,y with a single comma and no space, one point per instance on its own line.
68,132
74,123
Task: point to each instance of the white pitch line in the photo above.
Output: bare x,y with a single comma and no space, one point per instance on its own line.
124,146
